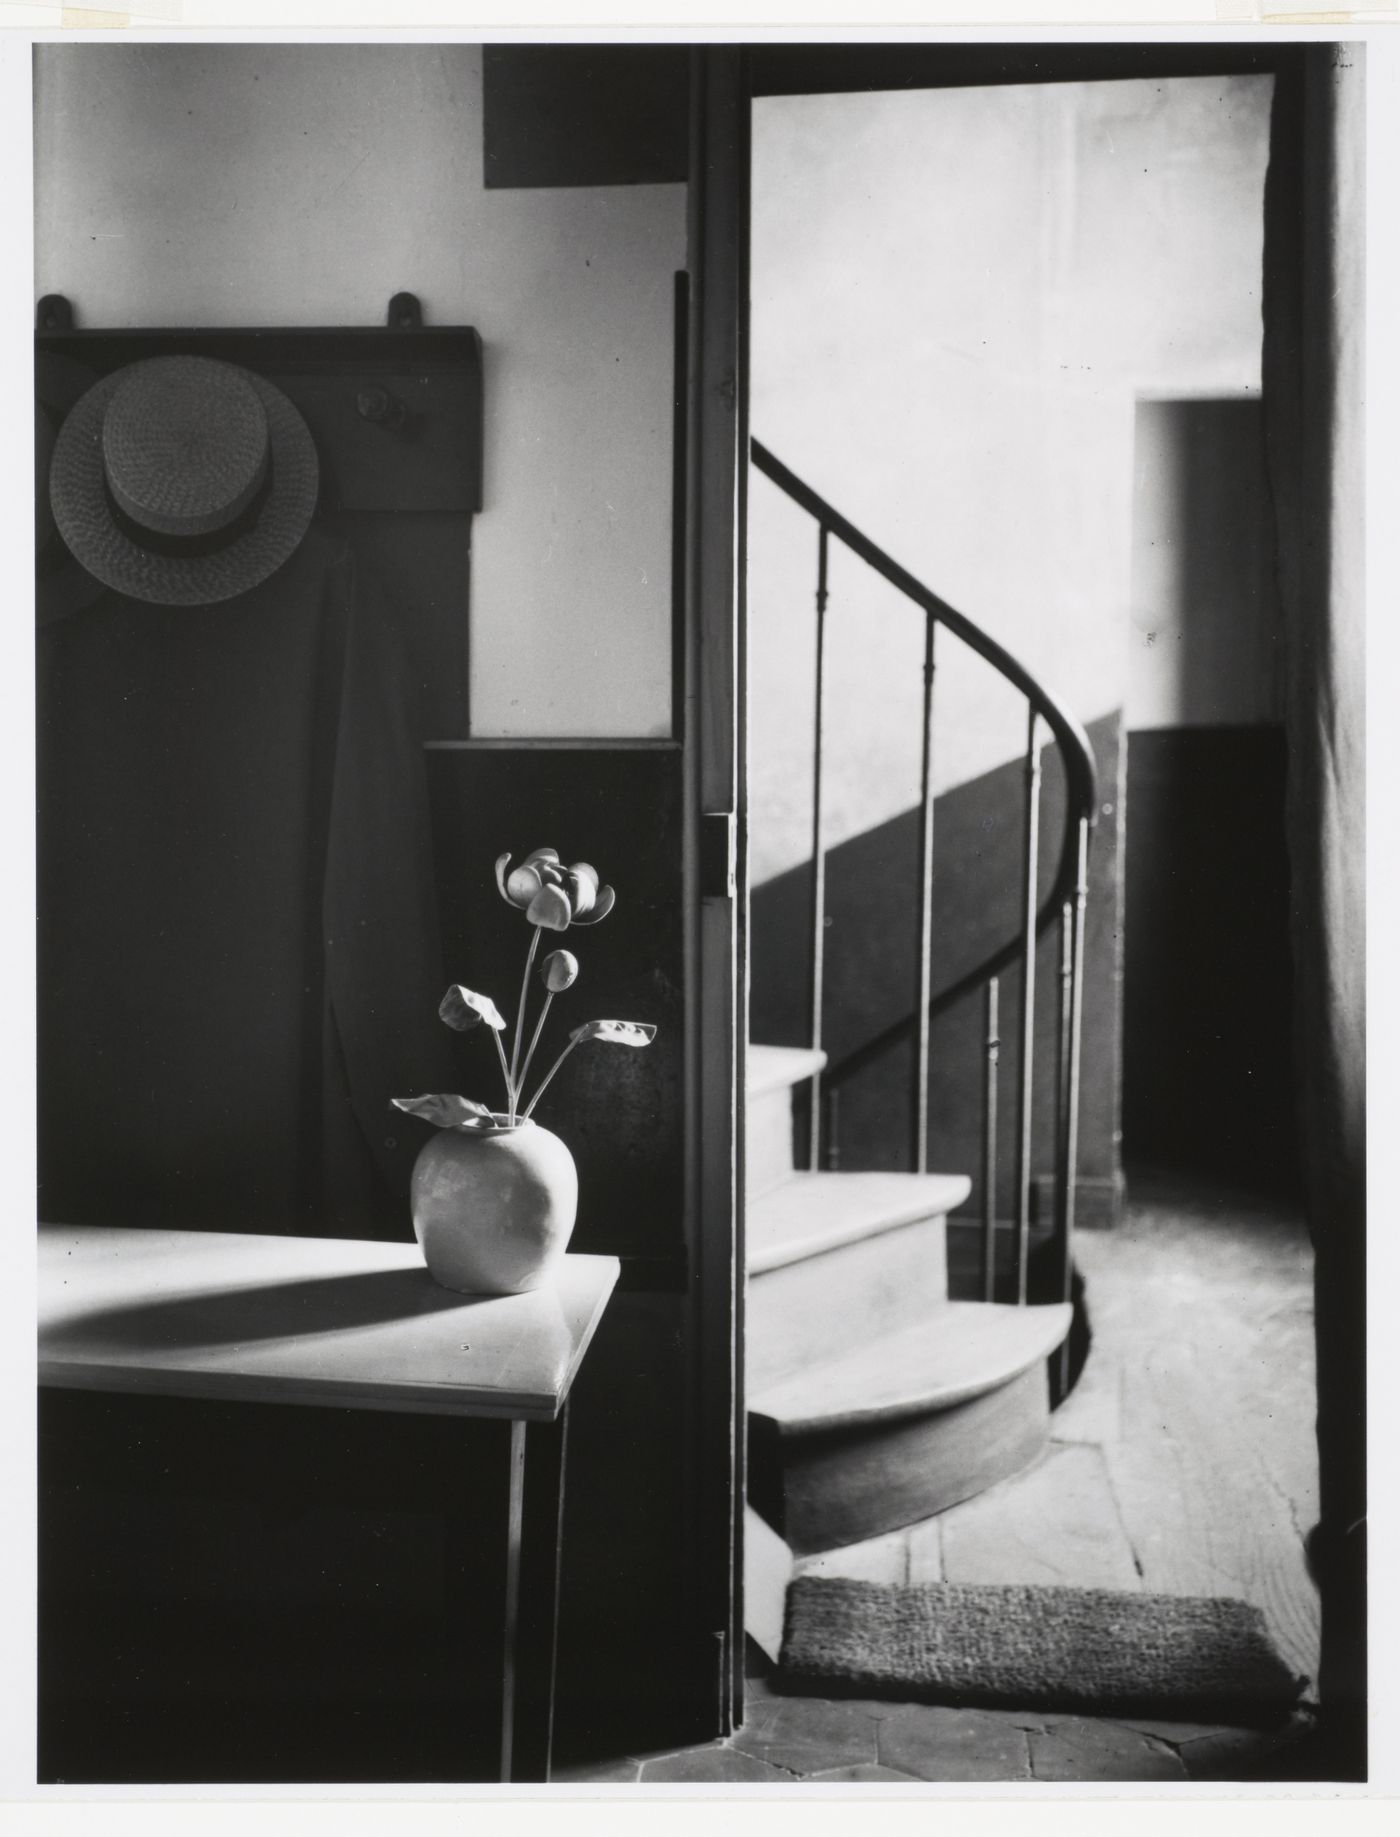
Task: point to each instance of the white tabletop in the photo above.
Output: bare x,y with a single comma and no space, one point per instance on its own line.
304,1320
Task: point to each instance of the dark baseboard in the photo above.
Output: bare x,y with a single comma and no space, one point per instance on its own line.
1098,1201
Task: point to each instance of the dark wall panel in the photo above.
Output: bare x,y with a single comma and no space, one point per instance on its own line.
586,114
1207,1080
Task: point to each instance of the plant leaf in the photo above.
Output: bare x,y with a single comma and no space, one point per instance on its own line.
464,1009
490,1122
444,1109
619,1033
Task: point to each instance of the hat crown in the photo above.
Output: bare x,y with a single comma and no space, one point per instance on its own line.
185,445
183,481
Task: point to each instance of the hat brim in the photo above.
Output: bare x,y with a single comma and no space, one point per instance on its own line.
87,523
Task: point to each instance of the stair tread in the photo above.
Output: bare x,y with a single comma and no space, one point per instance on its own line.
811,1213
769,1068
963,1349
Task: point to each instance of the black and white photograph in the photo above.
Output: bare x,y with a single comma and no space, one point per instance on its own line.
698,976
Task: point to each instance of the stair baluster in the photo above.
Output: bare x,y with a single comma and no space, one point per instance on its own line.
814,1152
1024,1116
1062,1019
1068,1146
989,1146
833,1130
925,994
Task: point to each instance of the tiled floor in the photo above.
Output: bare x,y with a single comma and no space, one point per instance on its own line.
1184,1463
790,1740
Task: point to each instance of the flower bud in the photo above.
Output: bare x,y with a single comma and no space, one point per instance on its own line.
559,971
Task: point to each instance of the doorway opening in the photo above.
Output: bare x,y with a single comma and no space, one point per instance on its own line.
1012,335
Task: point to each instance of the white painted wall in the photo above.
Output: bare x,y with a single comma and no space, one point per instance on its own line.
958,298
233,184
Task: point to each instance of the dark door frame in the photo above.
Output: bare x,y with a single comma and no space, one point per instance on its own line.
717,437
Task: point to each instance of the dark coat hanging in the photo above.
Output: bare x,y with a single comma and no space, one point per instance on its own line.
238,954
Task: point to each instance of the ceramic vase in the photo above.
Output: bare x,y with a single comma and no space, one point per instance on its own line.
493,1208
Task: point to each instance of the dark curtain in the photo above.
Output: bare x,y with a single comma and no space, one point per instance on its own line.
1313,301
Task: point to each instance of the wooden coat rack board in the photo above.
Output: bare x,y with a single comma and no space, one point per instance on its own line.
396,413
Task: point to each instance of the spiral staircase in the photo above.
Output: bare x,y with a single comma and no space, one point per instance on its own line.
874,1399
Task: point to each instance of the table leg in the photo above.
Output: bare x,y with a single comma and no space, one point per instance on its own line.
534,1540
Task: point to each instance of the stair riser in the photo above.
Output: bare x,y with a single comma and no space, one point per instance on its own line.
820,1492
767,1140
840,1299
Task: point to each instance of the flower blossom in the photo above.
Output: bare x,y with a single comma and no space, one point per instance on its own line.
553,896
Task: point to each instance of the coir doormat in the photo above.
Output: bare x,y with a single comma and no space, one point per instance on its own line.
1084,1650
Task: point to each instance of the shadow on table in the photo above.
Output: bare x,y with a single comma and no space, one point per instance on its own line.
266,1311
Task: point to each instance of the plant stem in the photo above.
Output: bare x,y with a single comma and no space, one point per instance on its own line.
544,1082
535,1039
505,1070
520,1021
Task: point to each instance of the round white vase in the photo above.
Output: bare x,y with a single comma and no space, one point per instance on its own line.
493,1208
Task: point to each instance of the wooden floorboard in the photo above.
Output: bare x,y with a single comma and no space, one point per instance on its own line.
1093,1410
926,1551
877,1559
1057,1525
1213,1459
1206,1512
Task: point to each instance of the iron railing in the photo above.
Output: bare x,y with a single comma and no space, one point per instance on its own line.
1065,903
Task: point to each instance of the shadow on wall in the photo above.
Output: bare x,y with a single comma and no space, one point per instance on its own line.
872,970
1205,613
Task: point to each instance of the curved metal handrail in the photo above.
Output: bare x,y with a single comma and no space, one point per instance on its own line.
1081,776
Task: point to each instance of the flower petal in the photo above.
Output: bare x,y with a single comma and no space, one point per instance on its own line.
582,893
559,971
523,884
501,861
602,907
585,872
550,909
444,1109
464,1009
619,1033
538,855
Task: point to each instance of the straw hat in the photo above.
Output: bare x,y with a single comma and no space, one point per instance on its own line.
182,480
